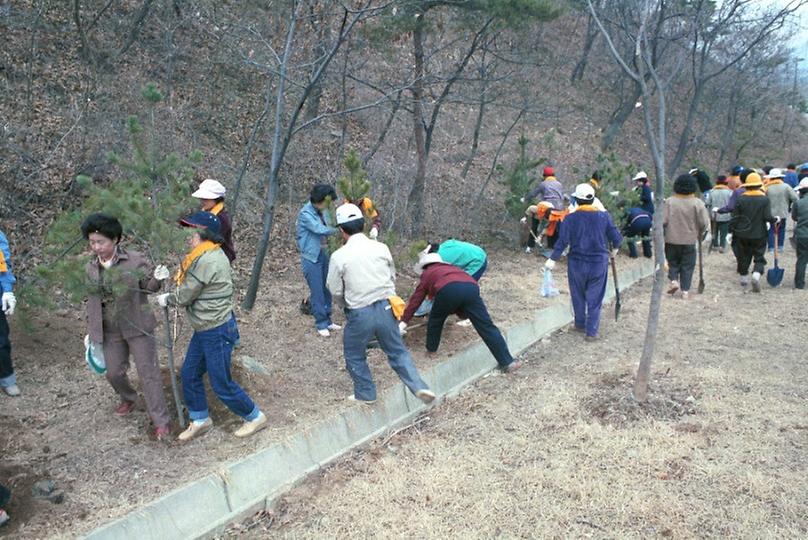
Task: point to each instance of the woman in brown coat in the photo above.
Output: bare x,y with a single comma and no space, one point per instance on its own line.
120,318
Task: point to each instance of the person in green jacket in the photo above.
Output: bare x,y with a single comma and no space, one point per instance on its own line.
205,288
471,258
799,212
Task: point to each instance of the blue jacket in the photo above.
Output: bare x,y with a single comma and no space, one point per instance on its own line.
7,279
588,234
647,199
310,232
791,179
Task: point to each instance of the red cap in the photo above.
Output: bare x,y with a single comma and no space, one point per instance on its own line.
548,171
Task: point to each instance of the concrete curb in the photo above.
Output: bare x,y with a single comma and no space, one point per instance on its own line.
204,507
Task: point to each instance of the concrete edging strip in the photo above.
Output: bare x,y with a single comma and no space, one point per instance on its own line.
204,507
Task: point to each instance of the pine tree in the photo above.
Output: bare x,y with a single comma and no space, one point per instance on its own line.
151,192
518,180
354,185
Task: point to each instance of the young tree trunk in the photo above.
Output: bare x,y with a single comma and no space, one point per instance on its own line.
478,124
415,201
619,118
591,35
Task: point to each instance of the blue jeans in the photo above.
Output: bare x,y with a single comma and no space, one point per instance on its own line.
587,282
209,351
316,274
464,299
363,324
7,375
781,236
641,228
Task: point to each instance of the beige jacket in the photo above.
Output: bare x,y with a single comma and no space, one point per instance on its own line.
685,220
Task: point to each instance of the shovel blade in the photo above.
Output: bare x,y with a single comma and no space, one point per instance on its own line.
701,287
775,276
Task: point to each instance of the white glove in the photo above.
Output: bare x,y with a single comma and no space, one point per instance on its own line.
715,209
549,264
768,225
161,272
614,252
162,299
9,303
777,219
374,233
522,199
523,220
402,328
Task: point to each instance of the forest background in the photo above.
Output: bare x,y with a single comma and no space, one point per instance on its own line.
432,95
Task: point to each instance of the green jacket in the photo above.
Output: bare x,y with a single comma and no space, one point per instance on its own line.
207,292
799,211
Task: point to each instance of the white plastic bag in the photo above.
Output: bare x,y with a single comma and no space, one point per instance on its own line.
548,287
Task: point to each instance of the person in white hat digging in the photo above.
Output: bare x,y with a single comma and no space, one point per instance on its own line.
362,276
211,199
454,291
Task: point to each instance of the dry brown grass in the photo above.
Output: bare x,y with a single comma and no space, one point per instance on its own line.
560,451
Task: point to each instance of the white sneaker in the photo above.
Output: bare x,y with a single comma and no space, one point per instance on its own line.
673,287
744,281
334,326
324,332
12,390
426,395
528,250
352,397
250,427
465,323
756,282
195,429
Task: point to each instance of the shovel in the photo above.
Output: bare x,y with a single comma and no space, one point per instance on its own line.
775,275
616,290
701,271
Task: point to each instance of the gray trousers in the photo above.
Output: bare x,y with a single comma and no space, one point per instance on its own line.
681,262
144,352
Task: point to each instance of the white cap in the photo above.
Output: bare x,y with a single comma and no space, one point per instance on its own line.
693,171
424,260
803,184
209,189
584,192
640,176
775,173
348,212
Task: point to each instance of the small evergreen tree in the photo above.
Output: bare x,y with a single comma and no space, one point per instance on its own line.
518,180
151,193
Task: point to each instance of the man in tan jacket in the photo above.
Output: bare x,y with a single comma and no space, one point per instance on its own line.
685,221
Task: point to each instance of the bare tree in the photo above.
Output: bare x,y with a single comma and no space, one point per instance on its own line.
650,14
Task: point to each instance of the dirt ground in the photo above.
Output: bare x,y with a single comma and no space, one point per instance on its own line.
560,450
63,427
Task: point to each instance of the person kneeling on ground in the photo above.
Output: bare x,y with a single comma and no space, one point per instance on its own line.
638,224
471,258
799,212
454,291
686,220
751,219
362,274
120,318
587,232
205,288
